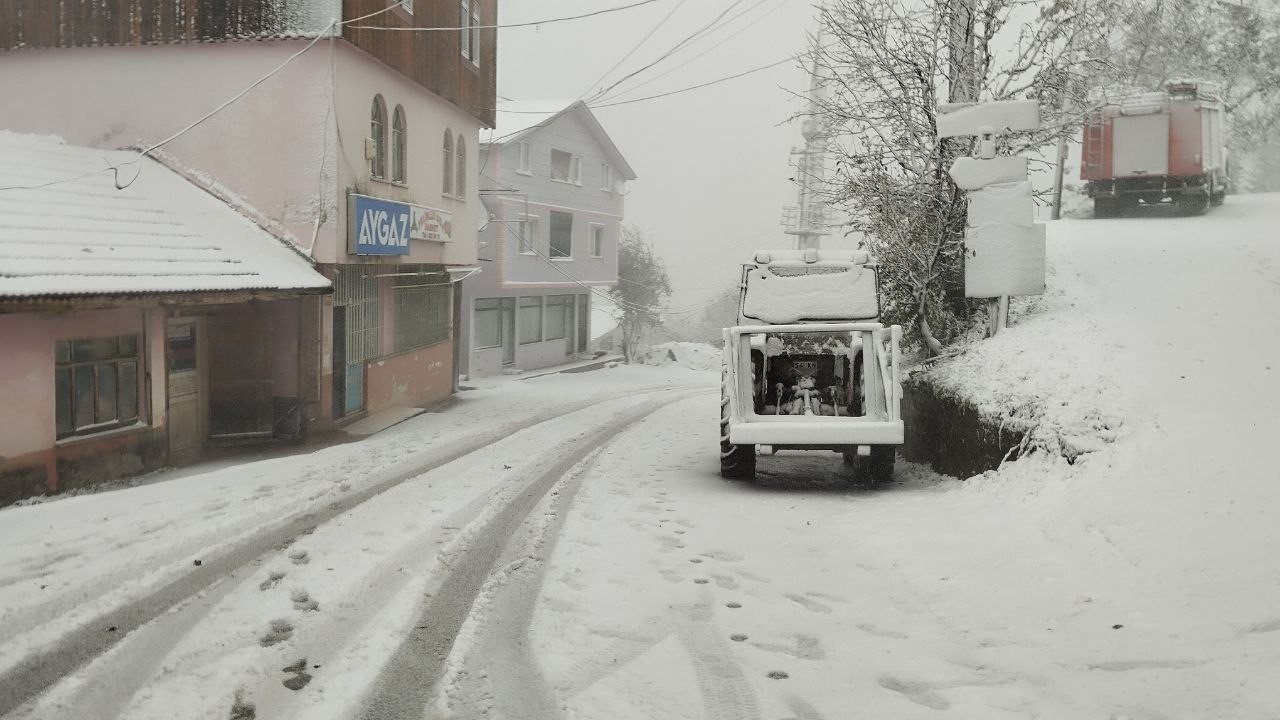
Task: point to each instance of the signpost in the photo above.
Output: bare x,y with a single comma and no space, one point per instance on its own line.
1004,247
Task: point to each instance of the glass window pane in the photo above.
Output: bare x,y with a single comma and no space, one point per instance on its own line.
81,350
488,328
129,346
64,410
128,391
84,396
62,351
561,234
106,396
530,319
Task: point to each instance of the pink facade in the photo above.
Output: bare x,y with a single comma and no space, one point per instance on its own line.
29,442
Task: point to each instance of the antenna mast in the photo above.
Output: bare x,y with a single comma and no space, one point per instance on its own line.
807,220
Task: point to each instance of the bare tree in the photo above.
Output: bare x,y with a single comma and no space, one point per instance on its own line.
887,67
642,289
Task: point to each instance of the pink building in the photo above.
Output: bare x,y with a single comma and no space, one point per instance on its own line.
108,282
359,149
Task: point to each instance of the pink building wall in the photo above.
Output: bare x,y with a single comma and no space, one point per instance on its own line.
113,97
27,348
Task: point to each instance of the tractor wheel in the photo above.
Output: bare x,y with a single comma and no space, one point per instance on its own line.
737,462
876,468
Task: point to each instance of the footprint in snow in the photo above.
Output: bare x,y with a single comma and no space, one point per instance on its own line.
273,579
917,692
299,557
808,603
279,631
303,601
299,677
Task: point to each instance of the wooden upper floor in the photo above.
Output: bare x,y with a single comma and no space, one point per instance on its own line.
456,64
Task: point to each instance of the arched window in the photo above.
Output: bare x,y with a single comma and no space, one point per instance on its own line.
448,163
378,131
460,186
399,145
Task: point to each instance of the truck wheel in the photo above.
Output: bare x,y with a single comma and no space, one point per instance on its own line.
737,462
1193,203
876,468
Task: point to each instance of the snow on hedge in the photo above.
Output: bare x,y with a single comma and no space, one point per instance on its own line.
1047,375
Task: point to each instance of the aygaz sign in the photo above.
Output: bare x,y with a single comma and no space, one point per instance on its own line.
385,227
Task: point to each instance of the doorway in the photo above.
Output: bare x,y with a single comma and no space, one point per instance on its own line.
185,376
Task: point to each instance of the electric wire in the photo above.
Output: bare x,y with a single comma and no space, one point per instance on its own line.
722,41
689,38
709,83
146,152
633,49
530,23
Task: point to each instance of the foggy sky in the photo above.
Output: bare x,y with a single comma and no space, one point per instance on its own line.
713,163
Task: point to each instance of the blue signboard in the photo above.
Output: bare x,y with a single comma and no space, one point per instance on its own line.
379,227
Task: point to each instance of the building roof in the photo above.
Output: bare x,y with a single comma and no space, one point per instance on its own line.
157,234
517,119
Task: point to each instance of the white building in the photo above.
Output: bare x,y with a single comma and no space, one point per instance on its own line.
553,184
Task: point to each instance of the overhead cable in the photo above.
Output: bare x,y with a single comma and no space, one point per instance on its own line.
547,21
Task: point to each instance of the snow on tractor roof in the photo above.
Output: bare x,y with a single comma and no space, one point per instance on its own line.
791,292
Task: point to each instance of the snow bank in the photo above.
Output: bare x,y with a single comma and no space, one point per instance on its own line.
692,355
1048,374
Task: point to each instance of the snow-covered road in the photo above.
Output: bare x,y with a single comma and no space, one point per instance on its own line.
563,547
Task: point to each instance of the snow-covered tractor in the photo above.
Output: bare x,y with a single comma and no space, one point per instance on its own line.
809,366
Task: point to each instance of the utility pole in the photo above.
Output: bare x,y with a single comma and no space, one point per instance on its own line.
807,219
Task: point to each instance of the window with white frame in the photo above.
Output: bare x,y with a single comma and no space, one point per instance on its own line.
447,176
399,145
524,167
527,229
469,27
561,165
597,241
96,383
606,177
575,170
529,318
561,238
488,322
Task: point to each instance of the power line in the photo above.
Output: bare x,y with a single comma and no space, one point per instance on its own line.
548,21
717,81
668,53
724,40
183,131
634,48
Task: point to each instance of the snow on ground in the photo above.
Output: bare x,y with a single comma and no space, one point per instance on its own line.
1139,582
691,355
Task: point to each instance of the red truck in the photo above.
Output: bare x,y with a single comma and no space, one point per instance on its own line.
1157,147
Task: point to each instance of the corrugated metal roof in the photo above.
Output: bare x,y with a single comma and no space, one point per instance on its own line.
159,234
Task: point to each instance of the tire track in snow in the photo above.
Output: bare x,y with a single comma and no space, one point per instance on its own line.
516,688
411,676
40,670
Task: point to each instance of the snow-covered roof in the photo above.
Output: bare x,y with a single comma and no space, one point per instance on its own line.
158,234
518,118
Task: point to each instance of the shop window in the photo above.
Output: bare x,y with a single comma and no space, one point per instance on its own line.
488,322
96,384
422,306
559,315
561,234
530,320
